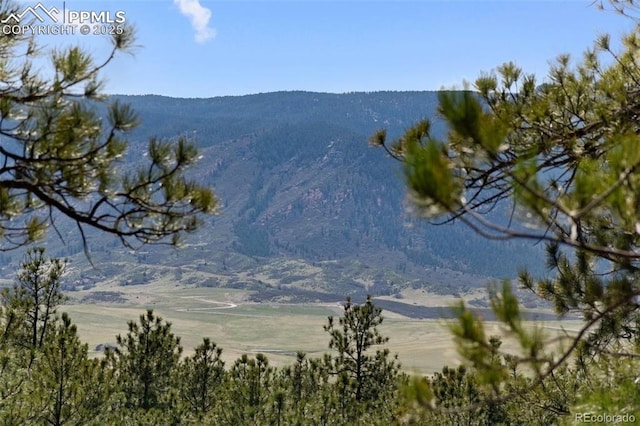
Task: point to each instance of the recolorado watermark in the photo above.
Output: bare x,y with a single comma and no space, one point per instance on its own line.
613,419
41,20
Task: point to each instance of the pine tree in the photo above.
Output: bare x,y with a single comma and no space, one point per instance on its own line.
29,311
145,361
364,381
65,387
249,391
61,158
560,162
32,303
303,392
200,378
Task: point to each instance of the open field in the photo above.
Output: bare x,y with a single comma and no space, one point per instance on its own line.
240,326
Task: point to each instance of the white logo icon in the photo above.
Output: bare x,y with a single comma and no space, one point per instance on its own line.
17,17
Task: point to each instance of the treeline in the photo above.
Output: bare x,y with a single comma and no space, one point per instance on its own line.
47,377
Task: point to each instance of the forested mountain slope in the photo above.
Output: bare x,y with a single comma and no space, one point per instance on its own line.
306,203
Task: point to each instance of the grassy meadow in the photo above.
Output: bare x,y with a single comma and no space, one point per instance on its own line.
276,329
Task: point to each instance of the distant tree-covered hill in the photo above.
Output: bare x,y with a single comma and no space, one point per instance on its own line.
306,203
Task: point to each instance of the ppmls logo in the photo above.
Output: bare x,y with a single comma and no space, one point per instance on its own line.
40,20
15,18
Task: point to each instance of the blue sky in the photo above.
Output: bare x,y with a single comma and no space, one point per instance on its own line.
192,48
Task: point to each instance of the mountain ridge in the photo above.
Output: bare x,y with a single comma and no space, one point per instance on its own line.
299,186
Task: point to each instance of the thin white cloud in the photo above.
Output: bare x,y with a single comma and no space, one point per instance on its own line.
199,17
